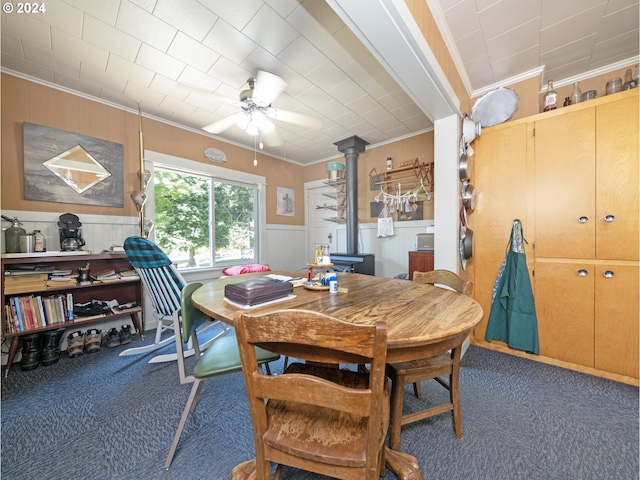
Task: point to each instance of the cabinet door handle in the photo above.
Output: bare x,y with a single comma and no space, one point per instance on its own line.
583,219
608,274
610,218
582,272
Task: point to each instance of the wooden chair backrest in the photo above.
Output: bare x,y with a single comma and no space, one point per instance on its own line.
444,277
315,337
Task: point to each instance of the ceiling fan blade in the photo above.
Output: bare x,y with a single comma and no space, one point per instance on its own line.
222,125
270,137
294,117
268,87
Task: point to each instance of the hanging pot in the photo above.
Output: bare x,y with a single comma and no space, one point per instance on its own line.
463,168
468,195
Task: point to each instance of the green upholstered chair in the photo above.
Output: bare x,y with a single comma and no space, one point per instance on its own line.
220,358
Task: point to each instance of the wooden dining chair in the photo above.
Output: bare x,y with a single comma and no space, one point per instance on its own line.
442,365
221,358
315,416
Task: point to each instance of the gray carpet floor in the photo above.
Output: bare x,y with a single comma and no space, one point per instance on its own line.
101,416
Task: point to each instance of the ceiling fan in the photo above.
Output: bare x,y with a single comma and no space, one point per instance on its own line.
256,110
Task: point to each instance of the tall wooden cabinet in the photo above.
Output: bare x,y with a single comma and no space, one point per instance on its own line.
580,178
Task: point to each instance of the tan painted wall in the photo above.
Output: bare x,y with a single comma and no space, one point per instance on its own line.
24,101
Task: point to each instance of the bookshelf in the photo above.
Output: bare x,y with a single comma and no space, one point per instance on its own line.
26,280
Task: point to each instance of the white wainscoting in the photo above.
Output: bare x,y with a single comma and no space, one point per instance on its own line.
284,247
392,253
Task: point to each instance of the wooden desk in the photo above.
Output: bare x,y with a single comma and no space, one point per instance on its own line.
422,320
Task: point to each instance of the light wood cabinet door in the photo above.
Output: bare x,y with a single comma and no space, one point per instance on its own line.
565,185
565,310
616,319
617,200
500,166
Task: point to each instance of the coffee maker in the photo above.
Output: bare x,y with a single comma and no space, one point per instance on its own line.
70,233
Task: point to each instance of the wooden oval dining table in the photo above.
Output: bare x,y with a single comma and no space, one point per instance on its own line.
422,320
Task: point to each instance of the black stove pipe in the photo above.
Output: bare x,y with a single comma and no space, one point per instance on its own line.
351,147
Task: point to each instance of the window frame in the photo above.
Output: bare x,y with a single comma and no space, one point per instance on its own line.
182,165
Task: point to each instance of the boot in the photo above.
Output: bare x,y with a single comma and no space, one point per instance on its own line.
31,351
51,346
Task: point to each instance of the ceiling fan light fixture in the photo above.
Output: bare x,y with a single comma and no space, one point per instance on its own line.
252,127
243,121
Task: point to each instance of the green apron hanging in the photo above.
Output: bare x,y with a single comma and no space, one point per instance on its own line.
513,311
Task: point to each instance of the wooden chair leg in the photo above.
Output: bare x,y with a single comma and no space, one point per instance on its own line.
395,414
417,390
454,395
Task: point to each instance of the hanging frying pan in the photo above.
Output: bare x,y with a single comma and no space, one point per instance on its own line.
466,237
463,168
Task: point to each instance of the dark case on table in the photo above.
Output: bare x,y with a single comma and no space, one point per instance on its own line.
257,290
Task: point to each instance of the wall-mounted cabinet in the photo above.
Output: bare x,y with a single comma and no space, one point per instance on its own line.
571,176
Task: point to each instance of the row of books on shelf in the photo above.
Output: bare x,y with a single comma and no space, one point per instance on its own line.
59,279
29,312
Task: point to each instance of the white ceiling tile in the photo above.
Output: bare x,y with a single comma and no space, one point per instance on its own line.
188,16
189,51
522,62
507,15
302,56
27,28
554,11
523,38
568,53
77,84
579,26
104,10
100,34
625,20
18,64
228,72
124,68
364,105
169,87
143,95
615,5
156,32
179,108
625,45
99,76
229,42
64,17
159,62
479,71
277,37
11,45
229,11
191,77
472,46
50,59
147,5
347,91
325,75
484,4
462,19
567,70
447,4
70,46
261,59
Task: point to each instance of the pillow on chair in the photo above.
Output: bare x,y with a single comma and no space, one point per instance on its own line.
240,269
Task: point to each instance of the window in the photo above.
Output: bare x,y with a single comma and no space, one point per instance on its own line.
202,221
